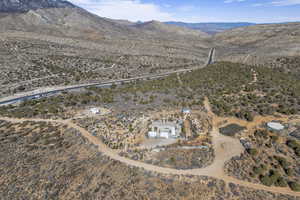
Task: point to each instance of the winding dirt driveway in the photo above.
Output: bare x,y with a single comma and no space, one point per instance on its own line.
225,148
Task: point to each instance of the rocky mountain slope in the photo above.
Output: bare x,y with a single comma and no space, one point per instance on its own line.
259,43
26,5
67,21
52,42
46,46
61,18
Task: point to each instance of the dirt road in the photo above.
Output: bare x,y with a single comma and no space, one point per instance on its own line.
225,148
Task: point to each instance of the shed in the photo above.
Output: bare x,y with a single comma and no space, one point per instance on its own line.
186,111
275,126
95,111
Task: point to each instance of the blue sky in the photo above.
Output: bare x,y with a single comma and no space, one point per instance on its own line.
259,11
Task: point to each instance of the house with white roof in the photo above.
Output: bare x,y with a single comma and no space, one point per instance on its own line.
95,111
165,129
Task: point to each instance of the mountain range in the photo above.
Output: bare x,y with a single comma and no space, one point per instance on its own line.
211,28
260,43
26,5
51,35
62,18
53,145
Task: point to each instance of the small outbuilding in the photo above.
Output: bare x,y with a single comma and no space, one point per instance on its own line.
186,111
95,111
275,126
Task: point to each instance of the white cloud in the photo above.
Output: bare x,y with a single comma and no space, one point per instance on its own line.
233,1
278,3
258,4
285,2
186,8
132,10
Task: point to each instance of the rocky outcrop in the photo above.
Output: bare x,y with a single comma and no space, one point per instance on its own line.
26,5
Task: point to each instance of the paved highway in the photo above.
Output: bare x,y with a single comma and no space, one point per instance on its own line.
211,56
45,93
13,100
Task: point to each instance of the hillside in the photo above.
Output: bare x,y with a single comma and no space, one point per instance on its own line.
48,44
144,115
66,21
72,161
61,18
259,43
155,27
26,5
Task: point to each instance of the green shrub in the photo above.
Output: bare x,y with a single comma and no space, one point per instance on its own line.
289,171
274,175
264,167
261,133
293,144
252,175
258,170
281,182
266,180
282,161
297,152
252,152
131,129
172,160
294,186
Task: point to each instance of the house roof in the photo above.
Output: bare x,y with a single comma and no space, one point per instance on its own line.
186,110
275,126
